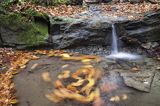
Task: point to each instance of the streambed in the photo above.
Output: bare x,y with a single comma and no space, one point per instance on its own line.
143,91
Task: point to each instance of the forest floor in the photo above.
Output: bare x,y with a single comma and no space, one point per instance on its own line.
131,11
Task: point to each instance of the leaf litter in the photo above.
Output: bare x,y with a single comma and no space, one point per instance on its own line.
16,61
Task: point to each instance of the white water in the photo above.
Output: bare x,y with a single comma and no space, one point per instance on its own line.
115,54
114,40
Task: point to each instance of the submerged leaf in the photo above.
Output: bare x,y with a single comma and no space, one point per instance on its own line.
14,101
46,77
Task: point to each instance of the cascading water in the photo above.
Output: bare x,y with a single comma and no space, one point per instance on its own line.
114,40
115,54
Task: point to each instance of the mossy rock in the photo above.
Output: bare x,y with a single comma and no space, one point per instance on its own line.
17,30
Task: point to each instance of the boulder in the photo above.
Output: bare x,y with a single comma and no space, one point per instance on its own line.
141,81
16,32
74,32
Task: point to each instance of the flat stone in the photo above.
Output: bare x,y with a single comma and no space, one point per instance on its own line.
156,81
141,80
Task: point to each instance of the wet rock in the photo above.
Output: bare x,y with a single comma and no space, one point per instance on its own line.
145,30
92,1
16,32
136,1
74,32
154,1
1,42
141,81
106,1
76,2
150,45
156,81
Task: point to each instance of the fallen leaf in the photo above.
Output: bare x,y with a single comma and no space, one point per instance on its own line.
65,66
33,57
78,83
124,97
58,84
65,55
98,102
64,74
73,89
89,86
46,76
34,66
135,69
115,99
86,60
14,101
54,98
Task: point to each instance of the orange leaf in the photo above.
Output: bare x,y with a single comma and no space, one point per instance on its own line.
58,84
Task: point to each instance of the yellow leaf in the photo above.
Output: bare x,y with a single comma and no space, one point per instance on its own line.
89,86
65,66
73,89
58,84
34,66
54,98
23,66
86,60
88,66
65,55
46,77
78,83
33,57
14,101
64,74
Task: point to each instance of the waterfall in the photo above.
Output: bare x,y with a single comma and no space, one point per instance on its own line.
114,40
115,54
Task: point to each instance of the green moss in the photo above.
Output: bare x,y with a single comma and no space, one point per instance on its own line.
35,34
12,20
29,32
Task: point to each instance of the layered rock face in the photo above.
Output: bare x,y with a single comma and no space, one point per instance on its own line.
147,29
79,33
70,32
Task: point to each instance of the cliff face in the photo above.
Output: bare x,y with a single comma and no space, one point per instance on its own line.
71,32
